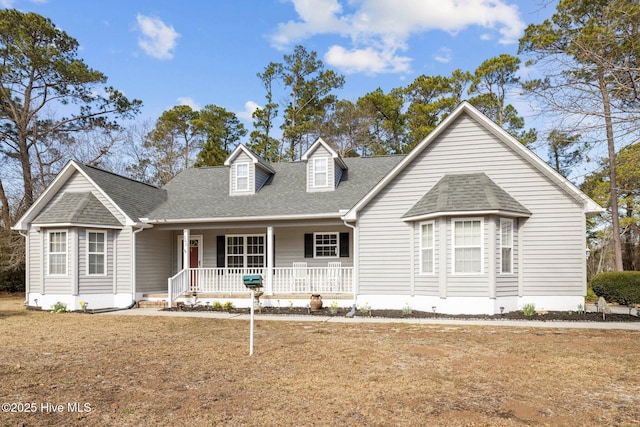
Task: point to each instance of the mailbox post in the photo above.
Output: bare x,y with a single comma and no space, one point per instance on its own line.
252,282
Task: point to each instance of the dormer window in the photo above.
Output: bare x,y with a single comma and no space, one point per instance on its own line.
242,177
320,172
325,167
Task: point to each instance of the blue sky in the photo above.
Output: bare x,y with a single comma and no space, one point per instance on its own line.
208,52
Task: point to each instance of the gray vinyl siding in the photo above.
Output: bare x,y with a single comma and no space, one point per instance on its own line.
94,284
34,248
553,238
123,258
321,152
337,176
78,183
152,260
242,158
261,177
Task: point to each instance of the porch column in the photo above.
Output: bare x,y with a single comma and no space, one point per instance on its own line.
269,271
186,255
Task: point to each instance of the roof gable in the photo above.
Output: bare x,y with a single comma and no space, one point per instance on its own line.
463,194
256,159
129,197
588,205
321,143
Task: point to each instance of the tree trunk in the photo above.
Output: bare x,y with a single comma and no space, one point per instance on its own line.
613,191
6,213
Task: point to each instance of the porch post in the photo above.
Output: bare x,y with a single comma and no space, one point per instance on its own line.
186,245
269,271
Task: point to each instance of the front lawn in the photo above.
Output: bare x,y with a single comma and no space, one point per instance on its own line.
130,370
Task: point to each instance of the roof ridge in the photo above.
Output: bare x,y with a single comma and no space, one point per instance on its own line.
120,176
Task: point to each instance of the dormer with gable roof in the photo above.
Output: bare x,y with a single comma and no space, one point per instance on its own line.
248,172
325,167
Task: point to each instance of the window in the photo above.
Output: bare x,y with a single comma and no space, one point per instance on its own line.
96,252
320,172
325,245
426,248
245,251
506,246
242,177
57,253
467,246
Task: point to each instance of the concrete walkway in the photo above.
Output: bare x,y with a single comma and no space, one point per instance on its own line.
629,326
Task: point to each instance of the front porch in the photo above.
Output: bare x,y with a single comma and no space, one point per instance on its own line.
289,281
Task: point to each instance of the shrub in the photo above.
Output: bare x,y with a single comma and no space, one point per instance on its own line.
529,309
59,307
591,296
217,305
622,287
227,306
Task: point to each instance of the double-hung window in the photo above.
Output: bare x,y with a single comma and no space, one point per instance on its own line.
467,246
506,246
245,251
325,245
96,252
242,177
427,248
57,253
320,172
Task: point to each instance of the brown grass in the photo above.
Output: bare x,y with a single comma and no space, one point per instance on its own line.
185,371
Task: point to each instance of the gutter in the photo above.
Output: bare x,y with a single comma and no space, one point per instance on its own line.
356,259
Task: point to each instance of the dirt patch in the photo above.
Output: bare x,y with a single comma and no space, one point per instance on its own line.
130,370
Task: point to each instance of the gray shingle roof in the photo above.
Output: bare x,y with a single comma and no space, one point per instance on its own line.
204,192
466,193
135,198
77,208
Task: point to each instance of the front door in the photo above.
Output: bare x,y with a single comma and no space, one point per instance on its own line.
194,258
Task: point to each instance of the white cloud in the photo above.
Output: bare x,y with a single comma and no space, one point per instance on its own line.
249,108
158,40
185,100
7,3
368,60
379,29
443,55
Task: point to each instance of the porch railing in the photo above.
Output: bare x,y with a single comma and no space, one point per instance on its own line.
286,280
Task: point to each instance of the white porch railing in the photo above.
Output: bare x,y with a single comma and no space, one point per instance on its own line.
286,280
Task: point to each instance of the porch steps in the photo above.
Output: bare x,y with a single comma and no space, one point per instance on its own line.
151,304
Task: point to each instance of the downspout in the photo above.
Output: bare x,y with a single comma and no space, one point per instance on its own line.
26,269
356,259
134,272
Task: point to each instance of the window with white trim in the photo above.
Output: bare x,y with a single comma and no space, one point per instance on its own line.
96,252
427,253
320,172
245,251
467,246
58,253
325,245
242,177
506,246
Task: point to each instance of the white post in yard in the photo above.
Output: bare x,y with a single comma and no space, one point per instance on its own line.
251,324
